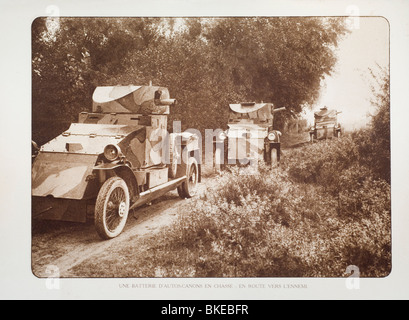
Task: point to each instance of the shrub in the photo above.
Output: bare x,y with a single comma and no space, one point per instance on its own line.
264,225
321,163
350,171
378,136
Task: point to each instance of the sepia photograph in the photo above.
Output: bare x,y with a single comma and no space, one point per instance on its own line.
201,150
211,147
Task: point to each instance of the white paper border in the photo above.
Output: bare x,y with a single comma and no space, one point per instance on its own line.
16,278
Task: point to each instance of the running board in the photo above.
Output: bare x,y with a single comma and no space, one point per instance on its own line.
158,191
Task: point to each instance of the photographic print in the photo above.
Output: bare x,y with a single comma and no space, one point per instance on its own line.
188,150
211,147
117,157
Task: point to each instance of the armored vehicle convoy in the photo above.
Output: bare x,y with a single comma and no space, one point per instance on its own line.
326,125
116,158
250,136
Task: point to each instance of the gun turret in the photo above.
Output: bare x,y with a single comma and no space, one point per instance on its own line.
132,99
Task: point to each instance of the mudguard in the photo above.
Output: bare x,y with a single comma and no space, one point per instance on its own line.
63,175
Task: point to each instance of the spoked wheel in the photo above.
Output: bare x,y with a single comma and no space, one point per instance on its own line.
188,188
111,208
274,157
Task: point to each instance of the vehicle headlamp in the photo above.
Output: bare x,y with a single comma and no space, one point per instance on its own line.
271,136
222,135
111,152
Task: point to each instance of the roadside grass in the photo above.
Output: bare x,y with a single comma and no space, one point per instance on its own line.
320,212
289,139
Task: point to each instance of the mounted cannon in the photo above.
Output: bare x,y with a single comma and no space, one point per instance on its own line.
116,158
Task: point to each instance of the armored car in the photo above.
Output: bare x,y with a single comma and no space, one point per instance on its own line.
250,136
114,159
326,125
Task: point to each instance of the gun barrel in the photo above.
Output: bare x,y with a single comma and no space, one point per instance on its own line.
167,102
279,109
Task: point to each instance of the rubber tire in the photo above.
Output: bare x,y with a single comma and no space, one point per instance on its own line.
217,157
185,190
274,157
100,208
173,157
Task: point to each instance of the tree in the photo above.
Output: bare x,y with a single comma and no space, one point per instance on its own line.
73,56
380,136
206,63
281,60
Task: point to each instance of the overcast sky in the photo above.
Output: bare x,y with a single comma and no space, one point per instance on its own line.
348,89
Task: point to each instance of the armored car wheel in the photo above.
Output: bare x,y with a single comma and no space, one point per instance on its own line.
188,188
274,157
111,208
217,159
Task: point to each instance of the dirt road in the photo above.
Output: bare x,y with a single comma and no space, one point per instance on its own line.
60,246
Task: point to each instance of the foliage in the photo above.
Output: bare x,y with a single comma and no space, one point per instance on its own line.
280,60
206,63
266,225
376,142
361,154
70,59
